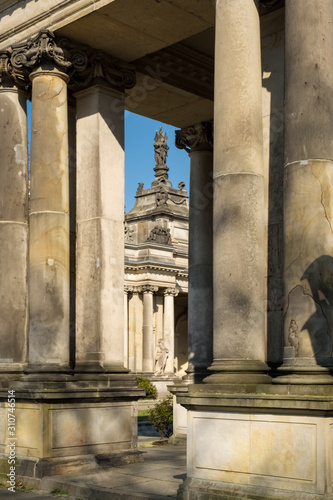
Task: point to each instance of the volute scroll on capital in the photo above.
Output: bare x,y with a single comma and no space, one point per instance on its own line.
195,138
128,289
9,76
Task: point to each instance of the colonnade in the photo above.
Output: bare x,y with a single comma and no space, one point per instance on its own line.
139,328
35,254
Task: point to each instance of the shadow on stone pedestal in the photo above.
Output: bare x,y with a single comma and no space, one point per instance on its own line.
68,423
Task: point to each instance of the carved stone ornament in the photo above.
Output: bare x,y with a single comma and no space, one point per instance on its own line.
102,68
160,235
128,289
197,137
171,291
128,233
9,76
149,289
161,197
293,336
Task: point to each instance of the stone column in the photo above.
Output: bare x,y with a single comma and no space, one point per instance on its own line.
72,220
308,194
127,290
148,354
49,203
238,218
100,215
169,327
198,142
13,216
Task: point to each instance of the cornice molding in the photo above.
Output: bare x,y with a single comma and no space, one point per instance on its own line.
182,67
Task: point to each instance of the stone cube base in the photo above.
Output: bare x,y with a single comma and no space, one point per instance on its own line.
262,448
60,437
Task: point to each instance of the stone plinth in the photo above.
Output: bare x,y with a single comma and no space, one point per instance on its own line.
276,445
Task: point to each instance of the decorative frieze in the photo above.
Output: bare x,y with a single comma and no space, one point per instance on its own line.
196,137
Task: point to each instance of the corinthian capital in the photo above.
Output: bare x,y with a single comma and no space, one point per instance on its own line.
149,288
196,137
45,46
8,75
104,69
171,291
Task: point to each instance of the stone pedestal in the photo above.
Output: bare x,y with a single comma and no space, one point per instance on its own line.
13,219
49,222
276,446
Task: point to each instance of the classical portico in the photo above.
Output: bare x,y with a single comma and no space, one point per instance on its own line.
258,391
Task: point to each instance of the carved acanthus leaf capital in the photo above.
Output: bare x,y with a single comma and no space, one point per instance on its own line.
128,289
196,137
171,291
104,69
9,76
46,47
149,289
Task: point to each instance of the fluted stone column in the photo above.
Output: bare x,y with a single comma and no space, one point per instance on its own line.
238,220
198,142
169,327
100,216
13,216
308,194
148,353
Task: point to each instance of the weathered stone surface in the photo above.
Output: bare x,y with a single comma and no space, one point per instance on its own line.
13,292
13,225
100,229
49,220
238,219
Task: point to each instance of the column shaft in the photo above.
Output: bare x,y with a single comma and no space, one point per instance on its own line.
148,329
238,220
198,142
100,230
169,329
49,221
308,193
13,224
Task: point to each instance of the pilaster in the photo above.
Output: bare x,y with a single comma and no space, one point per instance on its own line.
148,328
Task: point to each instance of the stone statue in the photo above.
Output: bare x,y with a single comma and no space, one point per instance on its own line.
161,357
293,336
161,153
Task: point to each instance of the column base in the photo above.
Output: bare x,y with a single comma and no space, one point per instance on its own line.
306,371
229,371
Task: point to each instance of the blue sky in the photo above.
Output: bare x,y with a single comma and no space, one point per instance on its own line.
139,155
